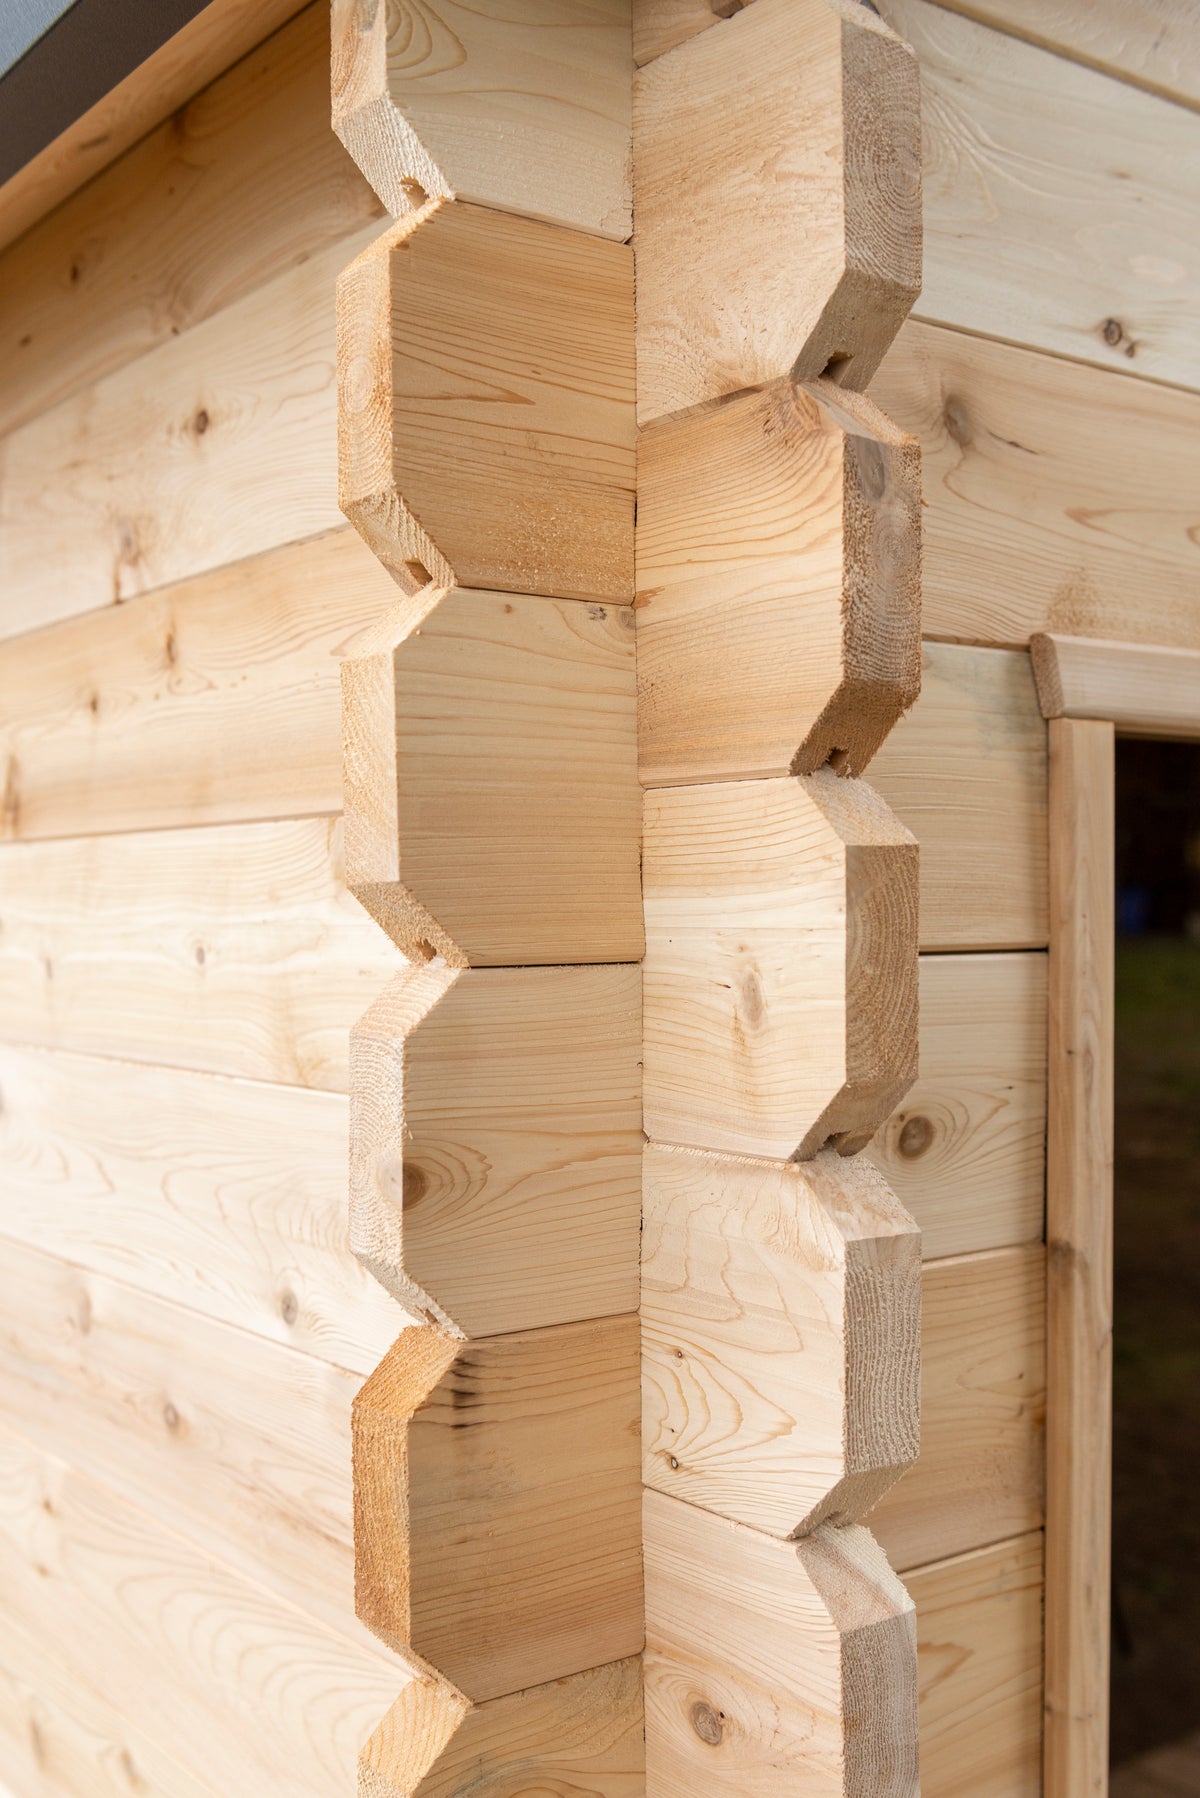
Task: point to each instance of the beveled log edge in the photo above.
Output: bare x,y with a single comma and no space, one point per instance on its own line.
1142,689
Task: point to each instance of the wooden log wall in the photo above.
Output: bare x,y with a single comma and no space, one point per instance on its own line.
186,1324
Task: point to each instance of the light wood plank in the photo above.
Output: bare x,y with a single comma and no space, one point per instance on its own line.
243,183
1142,691
966,1152
979,1662
241,1445
1079,1225
966,772
732,295
208,702
496,1144
224,1674
981,1473
497,1496
775,1665
781,1319
235,949
195,55
1155,44
1061,207
493,814
778,585
524,110
216,445
485,404
1059,496
781,965
224,1196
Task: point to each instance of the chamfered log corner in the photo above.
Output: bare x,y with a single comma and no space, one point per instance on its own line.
778,585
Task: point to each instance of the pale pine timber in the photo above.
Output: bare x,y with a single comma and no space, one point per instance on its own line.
778,579
211,701
780,975
199,51
234,949
781,1320
966,1151
1061,207
492,806
223,1196
215,446
979,1666
242,183
965,770
526,111
486,404
1079,1238
496,1502
659,25
774,1665
1142,690
580,1735
980,1477
1154,44
1059,496
818,274
496,1140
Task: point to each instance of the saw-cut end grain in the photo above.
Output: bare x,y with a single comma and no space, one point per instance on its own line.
781,963
781,1313
486,404
575,1736
818,274
775,1666
778,594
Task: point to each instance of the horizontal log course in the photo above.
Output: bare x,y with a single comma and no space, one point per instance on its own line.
781,1310
492,806
486,404
781,965
527,112
778,585
812,269
775,1665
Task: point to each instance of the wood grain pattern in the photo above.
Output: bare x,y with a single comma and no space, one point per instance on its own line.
1141,690
781,1316
774,1664
215,446
979,1663
208,702
496,1502
1060,206
966,1151
235,949
527,111
980,1477
492,806
1079,1235
217,36
659,25
1059,496
240,1444
781,964
1155,44
243,182
778,585
243,1685
966,772
224,1196
485,416
732,295
496,1143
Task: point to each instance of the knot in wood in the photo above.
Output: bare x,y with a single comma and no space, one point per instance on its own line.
708,1724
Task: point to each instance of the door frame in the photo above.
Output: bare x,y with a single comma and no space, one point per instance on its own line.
1090,691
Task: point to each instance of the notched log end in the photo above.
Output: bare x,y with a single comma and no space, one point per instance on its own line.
415,931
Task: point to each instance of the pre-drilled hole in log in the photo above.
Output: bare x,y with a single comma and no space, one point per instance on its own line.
838,760
419,574
725,9
413,192
837,368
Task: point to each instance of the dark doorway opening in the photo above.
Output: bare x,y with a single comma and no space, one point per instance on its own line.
1155,1707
